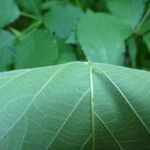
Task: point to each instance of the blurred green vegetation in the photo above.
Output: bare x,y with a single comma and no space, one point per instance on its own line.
36,33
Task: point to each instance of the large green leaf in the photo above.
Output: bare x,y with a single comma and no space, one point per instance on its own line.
37,48
62,20
129,11
78,106
102,37
8,12
7,41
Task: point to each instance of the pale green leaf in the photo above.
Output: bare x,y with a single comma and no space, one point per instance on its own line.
62,20
37,48
102,37
129,11
6,49
77,106
9,12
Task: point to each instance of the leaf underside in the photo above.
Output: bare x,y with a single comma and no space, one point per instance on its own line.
40,108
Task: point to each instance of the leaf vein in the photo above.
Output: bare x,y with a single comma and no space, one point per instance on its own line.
32,100
109,131
65,121
125,98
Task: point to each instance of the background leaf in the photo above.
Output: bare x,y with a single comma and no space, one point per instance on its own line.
66,52
7,41
37,48
42,113
147,40
62,20
129,11
9,12
100,38
132,47
33,6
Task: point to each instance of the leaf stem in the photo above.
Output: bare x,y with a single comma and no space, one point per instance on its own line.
17,33
33,26
142,21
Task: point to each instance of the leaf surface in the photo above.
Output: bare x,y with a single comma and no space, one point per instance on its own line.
102,37
37,48
9,12
129,11
62,20
66,52
33,6
78,106
7,41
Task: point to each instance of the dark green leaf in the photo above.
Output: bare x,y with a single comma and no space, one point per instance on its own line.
147,40
33,6
132,47
66,53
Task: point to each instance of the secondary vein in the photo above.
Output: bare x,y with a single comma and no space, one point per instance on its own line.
33,99
109,131
128,102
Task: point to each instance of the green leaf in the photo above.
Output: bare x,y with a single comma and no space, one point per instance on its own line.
102,37
147,40
33,6
52,3
129,11
76,106
132,47
38,48
9,12
66,53
62,20
6,49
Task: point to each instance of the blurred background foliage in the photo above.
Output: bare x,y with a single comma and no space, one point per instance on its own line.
36,33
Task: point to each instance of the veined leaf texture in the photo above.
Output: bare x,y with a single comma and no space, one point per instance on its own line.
75,106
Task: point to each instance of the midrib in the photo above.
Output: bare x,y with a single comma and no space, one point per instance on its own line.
92,105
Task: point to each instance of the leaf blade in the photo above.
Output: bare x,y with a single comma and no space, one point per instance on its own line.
10,12
52,107
104,43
